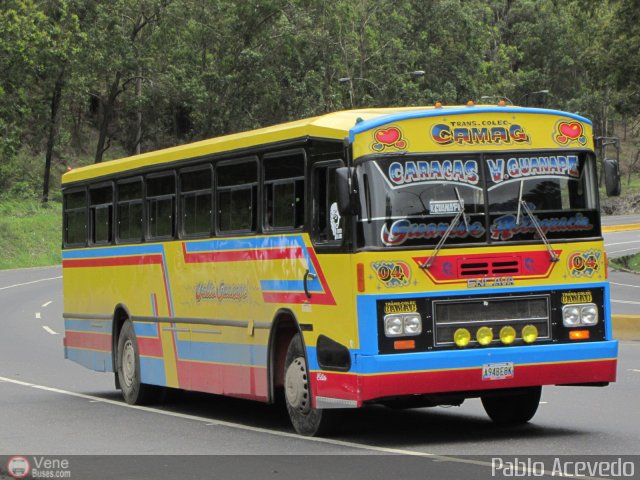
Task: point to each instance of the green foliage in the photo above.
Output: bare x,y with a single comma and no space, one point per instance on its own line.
29,233
627,262
153,73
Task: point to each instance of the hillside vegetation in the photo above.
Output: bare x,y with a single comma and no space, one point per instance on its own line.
84,81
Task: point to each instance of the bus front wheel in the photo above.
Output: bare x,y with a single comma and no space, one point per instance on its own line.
128,369
513,409
306,420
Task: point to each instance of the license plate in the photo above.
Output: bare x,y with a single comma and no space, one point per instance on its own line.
497,371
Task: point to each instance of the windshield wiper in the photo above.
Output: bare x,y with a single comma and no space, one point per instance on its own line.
522,204
426,265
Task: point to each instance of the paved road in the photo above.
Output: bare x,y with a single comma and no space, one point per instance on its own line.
52,406
617,220
622,243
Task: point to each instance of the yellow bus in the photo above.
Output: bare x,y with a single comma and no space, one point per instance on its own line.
406,256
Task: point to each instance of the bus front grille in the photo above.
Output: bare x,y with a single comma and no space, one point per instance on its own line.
495,313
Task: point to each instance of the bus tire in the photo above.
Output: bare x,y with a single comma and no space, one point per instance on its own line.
128,361
513,409
306,420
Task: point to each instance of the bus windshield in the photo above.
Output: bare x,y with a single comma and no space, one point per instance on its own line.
411,200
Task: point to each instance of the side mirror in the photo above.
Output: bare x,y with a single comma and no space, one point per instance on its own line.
345,186
612,177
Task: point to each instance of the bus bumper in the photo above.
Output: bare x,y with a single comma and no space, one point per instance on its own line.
376,377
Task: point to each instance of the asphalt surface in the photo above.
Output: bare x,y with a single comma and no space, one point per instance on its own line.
54,407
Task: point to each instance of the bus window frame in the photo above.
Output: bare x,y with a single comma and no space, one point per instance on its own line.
216,189
181,234
146,213
65,217
123,181
91,207
314,224
266,227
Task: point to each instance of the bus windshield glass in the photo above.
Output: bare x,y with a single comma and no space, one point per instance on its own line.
411,200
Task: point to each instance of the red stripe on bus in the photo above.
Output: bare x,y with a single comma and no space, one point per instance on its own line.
371,387
150,347
244,255
113,261
233,380
94,341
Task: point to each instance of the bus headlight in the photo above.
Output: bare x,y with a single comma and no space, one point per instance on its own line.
412,324
571,316
576,315
393,325
403,325
589,315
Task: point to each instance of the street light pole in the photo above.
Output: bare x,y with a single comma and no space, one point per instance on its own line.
543,92
349,80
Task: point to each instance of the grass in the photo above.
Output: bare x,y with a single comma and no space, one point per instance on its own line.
628,262
29,233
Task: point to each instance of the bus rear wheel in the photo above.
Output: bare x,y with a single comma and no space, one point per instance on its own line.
513,409
128,370
306,420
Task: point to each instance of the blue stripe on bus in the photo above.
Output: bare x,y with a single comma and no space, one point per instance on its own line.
98,361
112,251
152,371
94,326
244,243
146,329
229,353
290,285
440,112
367,312
476,357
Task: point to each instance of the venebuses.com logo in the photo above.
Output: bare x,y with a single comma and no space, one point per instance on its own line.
18,467
38,467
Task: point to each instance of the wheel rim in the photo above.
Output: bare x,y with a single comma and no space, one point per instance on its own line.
128,363
297,386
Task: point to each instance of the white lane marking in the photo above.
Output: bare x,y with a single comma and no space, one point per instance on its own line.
30,283
628,302
623,250
239,426
44,305
544,403
620,243
38,315
624,285
49,330
634,370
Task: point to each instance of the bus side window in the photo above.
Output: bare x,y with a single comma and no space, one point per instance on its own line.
284,190
75,219
161,192
196,201
237,196
101,213
129,195
328,225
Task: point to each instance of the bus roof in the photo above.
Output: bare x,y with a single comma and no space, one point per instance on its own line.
336,126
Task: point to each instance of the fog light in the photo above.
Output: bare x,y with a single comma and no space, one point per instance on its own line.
462,337
529,333
484,335
507,335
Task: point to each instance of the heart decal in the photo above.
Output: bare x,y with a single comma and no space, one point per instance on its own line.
567,132
390,137
571,130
